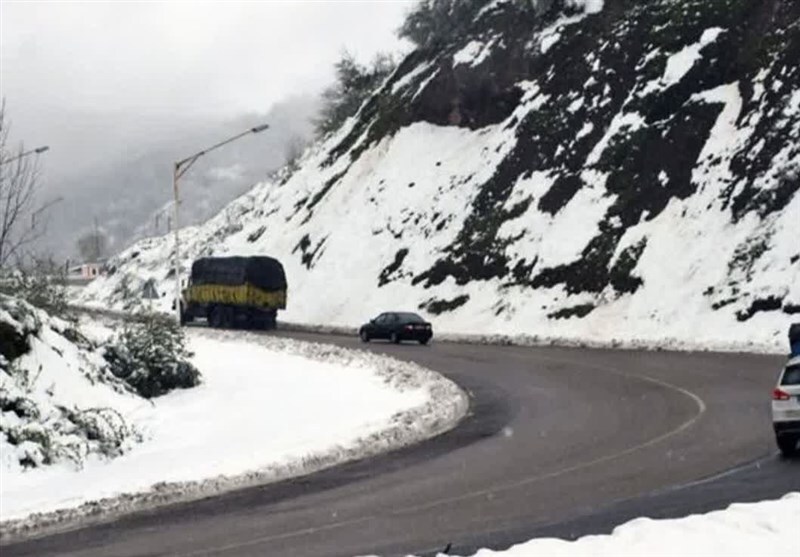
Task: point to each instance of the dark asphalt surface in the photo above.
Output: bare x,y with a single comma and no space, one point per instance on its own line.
560,442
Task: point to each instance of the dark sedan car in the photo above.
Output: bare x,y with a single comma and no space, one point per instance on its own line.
397,326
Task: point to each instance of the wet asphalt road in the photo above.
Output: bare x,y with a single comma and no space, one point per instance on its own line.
559,442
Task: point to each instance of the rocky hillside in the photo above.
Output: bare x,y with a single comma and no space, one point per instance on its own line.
613,170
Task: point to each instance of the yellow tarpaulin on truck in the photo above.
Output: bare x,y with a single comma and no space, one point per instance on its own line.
243,295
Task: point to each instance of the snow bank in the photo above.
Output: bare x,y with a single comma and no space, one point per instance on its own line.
59,405
746,529
268,409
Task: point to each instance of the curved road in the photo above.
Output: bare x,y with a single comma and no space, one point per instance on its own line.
559,442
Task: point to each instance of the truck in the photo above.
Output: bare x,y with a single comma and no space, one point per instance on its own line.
235,292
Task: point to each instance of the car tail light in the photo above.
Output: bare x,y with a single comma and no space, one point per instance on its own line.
778,394
409,327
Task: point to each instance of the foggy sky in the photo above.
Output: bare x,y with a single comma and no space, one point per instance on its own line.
95,79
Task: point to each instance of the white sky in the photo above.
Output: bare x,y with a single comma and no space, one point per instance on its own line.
167,61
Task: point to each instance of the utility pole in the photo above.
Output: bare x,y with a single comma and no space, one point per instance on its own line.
179,169
42,208
96,241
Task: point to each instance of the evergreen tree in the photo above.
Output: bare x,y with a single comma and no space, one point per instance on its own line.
150,354
435,22
354,84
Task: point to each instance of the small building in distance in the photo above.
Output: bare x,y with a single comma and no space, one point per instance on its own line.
87,271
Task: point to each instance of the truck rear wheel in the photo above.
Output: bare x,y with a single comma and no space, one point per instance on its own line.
216,317
268,320
228,317
185,316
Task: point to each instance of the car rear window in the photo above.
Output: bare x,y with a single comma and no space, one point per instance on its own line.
410,318
791,376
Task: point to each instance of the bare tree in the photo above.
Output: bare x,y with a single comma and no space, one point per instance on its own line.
19,175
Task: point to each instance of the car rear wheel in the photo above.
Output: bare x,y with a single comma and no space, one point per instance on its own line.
787,444
394,338
364,335
424,341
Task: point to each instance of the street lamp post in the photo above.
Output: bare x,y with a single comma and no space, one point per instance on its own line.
37,151
179,169
42,208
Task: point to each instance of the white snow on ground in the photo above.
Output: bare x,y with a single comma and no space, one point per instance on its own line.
267,409
52,395
746,529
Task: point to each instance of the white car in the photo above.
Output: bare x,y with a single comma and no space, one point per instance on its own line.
786,408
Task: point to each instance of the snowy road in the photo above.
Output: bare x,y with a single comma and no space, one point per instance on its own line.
557,438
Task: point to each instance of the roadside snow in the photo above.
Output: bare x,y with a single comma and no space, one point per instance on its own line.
747,529
58,402
267,409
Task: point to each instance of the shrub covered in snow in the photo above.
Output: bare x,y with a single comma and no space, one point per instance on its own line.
48,374
150,354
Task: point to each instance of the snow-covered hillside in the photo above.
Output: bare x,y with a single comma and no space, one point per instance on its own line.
624,173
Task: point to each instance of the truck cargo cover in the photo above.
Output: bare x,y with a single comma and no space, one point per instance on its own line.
261,271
